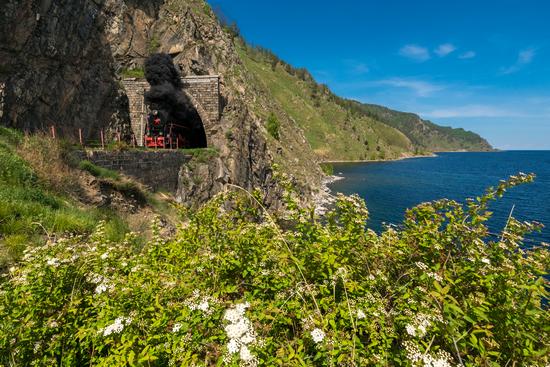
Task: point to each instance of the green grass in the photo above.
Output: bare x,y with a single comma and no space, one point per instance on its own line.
138,73
30,211
97,171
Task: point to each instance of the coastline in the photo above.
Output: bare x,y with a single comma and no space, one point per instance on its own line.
432,155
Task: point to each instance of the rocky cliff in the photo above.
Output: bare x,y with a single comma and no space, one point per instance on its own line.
61,63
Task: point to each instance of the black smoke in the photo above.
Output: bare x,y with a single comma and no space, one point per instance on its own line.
166,96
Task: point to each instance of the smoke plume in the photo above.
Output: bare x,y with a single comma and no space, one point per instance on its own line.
167,97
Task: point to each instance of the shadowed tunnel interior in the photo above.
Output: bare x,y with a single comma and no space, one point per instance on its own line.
174,108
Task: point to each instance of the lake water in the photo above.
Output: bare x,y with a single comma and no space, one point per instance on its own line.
389,188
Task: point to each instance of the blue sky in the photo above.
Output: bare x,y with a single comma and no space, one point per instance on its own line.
481,65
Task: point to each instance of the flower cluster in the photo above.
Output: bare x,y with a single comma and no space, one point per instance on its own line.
419,325
102,283
196,302
317,335
440,359
117,326
240,333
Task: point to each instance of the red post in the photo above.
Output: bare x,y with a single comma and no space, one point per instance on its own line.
80,137
53,131
102,140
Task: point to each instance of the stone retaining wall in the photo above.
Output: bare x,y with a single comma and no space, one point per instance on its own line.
157,169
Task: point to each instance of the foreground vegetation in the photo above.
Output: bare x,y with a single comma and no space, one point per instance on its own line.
236,286
37,192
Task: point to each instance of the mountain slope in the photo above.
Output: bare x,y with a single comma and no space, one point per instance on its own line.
425,135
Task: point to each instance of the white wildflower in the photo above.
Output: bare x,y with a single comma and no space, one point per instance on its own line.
232,346
196,302
203,306
419,325
435,276
486,261
95,278
52,262
241,333
104,256
421,265
117,326
317,335
360,314
245,354
176,328
53,324
104,286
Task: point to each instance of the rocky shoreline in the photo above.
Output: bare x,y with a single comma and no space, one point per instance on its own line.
432,155
324,199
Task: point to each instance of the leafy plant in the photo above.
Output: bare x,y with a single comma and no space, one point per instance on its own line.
273,125
232,287
328,168
154,45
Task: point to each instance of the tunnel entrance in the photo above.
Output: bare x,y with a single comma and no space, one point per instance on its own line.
173,116
203,94
163,131
191,134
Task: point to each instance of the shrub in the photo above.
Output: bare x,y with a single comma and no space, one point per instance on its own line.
233,287
327,168
154,45
273,126
138,73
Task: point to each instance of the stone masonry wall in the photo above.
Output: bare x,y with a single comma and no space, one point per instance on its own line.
157,169
203,89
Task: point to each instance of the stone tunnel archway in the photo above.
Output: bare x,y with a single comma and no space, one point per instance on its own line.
203,91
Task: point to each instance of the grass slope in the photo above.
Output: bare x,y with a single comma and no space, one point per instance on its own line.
425,135
32,208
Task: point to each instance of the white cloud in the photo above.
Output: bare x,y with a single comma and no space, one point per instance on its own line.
473,110
420,87
525,57
361,68
467,55
415,52
445,49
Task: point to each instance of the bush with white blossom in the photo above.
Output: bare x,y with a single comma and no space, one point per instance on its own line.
232,287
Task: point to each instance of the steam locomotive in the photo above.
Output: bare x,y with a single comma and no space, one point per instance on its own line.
161,134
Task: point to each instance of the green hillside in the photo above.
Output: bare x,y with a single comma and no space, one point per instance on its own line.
333,131
425,135
342,129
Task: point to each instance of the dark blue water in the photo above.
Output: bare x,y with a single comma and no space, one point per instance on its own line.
389,188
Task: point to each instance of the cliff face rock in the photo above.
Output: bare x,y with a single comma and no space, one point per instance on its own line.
61,63
56,67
